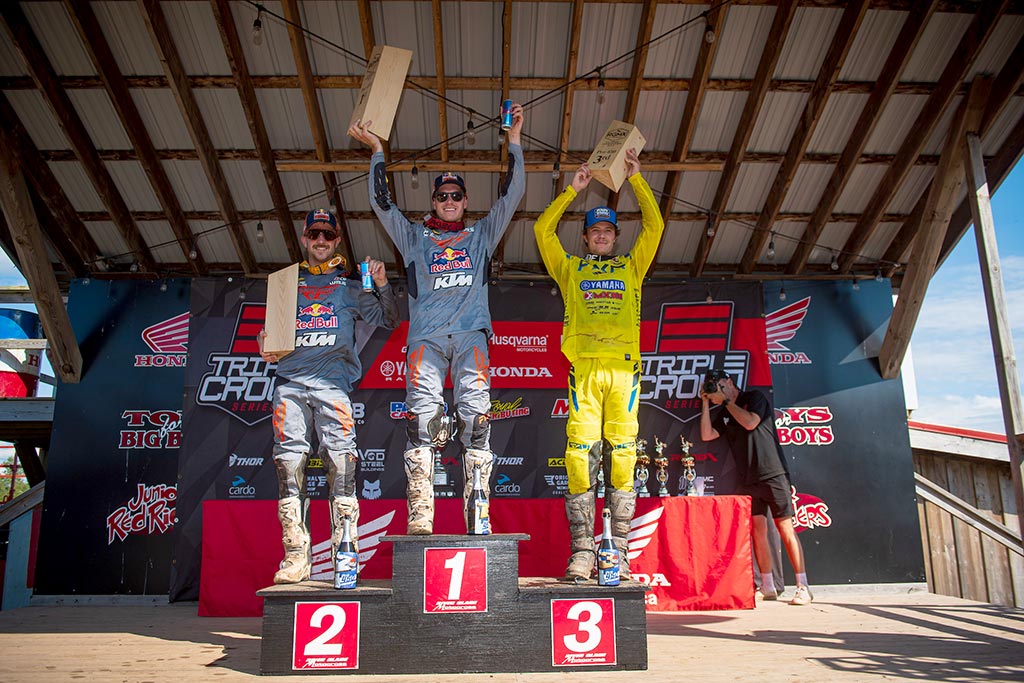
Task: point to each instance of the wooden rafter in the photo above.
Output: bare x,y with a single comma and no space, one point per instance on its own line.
439,82
636,75
254,117
46,79
74,245
290,11
99,51
506,66
842,40
36,267
715,20
163,41
1009,78
571,65
906,42
755,98
974,40
949,178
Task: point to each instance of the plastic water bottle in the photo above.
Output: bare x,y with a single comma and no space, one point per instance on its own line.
607,554
346,560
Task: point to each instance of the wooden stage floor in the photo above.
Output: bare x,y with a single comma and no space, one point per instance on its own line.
909,636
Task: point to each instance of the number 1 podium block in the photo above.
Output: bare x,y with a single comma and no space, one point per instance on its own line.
381,90
455,604
608,160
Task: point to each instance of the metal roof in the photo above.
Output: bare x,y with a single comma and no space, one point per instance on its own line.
958,40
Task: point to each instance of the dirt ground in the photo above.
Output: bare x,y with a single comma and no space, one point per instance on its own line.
911,636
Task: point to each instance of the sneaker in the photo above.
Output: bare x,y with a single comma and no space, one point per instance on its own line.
802,596
761,595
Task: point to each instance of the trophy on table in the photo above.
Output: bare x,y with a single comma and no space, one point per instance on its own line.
662,464
443,487
641,474
686,487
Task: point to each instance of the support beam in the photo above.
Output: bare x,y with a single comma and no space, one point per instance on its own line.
755,98
163,41
842,40
497,262
998,319
46,80
572,64
439,82
974,39
106,65
888,79
35,266
31,464
943,192
254,117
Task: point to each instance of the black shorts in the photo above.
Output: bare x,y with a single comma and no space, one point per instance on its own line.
771,494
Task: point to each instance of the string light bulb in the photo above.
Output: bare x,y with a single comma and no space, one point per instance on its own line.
415,177
257,28
709,34
556,171
834,263
260,234
501,137
241,294
471,130
710,227
771,247
878,275
782,293
855,285
134,267
600,87
709,299
163,285
192,254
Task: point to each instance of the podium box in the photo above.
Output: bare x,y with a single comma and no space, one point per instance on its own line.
489,620
282,298
608,160
381,90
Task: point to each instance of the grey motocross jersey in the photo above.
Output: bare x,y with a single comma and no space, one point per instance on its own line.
448,270
328,306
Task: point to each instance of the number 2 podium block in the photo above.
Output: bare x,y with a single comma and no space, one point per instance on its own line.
382,89
608,161
455,604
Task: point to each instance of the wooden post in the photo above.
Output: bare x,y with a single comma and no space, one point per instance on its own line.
35,263
382,89
608,161
998,321
282,298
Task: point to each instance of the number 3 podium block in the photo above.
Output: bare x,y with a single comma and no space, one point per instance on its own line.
455,605
607,162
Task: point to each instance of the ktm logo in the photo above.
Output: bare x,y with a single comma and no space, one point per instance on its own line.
370,535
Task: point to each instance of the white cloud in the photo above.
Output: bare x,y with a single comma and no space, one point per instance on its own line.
976,412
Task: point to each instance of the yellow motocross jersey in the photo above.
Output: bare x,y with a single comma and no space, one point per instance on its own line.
601,296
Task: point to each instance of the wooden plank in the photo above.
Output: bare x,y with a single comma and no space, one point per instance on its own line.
282,300
35,266
968,540
974,39
439,79
23,343
922,517
828,74
1012,519
570,90
608,160
381,92
45,77
257,128
163,41
497,263
784,14
998,318
944,189
941,543
997,564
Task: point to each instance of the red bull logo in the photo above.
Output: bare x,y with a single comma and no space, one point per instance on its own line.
448,260
321,317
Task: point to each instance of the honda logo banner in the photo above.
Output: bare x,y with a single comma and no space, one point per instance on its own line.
111,477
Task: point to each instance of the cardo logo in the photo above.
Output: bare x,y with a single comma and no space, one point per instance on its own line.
241,489
238,461
150,511
370,534
371,489
781,326
506,487
168,340
804,426
150,429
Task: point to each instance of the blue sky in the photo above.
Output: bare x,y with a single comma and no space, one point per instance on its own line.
951,347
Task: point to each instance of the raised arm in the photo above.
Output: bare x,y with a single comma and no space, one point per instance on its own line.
652,224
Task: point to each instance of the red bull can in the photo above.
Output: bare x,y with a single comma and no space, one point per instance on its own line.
364,271
506,115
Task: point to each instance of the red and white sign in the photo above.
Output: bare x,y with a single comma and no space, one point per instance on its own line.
168,340
326,635
454,580
583,632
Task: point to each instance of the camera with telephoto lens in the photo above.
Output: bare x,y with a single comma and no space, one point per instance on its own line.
712,378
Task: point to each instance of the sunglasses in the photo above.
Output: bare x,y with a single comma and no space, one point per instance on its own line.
314,233
443,196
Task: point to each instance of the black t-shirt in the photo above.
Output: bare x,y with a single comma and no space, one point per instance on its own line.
757,453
